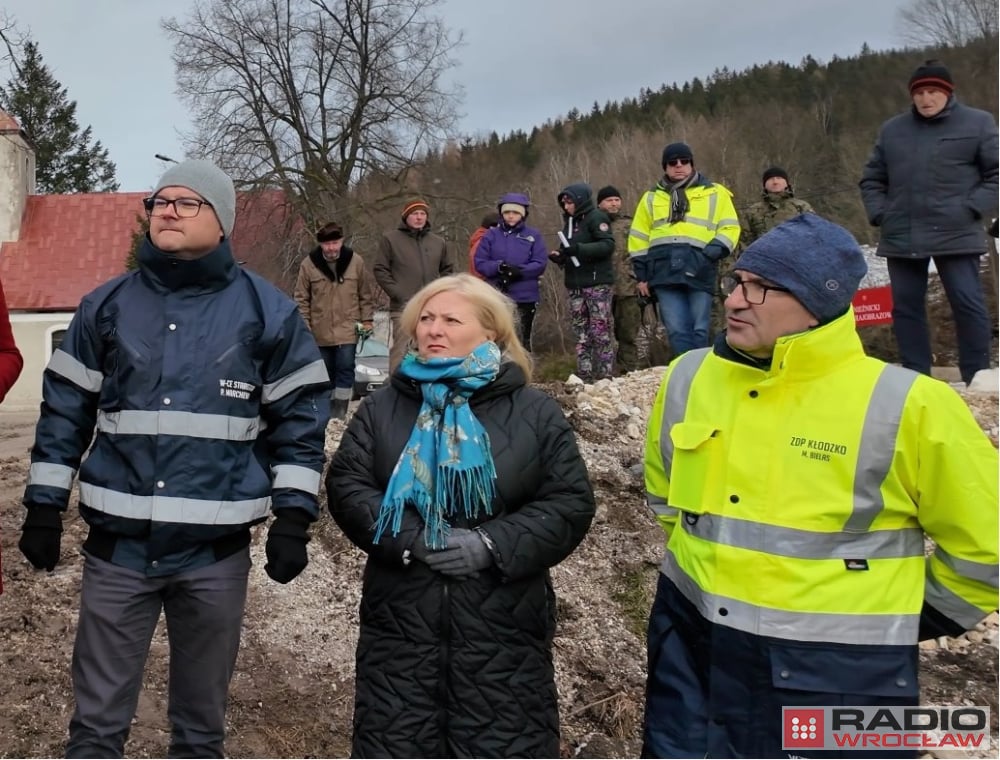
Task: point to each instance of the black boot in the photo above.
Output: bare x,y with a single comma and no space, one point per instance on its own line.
338,408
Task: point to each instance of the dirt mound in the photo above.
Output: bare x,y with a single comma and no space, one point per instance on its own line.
293,690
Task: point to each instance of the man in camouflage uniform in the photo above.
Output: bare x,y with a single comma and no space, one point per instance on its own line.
777,205
625,310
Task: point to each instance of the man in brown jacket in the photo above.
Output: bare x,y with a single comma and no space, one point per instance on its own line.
409,257
334,294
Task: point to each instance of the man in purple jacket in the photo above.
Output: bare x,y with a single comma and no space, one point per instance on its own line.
512,258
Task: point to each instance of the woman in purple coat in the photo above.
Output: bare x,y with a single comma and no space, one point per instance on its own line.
512,257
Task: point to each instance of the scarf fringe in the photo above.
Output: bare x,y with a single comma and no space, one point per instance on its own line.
468,493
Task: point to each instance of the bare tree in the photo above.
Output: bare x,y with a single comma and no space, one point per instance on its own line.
948,22
310,96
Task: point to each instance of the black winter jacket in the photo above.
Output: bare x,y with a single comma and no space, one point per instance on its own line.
929,184
449,668
591,241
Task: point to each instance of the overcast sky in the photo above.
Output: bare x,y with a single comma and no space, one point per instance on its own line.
522,62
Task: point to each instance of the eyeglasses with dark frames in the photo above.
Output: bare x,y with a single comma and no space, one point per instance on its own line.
754,291
185,208
679,162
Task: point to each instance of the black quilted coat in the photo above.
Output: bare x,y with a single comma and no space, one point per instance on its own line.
450,668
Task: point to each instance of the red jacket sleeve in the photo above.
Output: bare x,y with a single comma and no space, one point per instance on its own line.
10,358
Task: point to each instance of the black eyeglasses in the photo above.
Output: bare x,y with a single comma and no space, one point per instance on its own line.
754,291
679,162
183,207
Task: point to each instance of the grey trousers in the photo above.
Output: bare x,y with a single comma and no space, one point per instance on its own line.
119,609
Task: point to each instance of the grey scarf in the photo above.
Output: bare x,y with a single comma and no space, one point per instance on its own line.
678,198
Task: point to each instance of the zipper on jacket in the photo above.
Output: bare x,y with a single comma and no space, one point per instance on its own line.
444,661
129,349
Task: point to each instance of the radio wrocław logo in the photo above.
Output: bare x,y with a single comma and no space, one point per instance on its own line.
925,727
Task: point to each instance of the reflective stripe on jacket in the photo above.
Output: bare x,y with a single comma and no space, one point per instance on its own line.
796,498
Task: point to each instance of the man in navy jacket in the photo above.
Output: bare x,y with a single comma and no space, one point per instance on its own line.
207,393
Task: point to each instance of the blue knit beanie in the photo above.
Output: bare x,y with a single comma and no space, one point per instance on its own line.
818,261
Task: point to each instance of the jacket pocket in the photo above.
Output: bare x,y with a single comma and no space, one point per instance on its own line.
854,674
697,475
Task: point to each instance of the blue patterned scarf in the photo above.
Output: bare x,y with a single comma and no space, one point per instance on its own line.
446,467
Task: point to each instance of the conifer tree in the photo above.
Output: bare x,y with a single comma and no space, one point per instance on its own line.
67,159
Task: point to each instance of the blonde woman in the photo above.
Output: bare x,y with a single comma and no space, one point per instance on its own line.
464,486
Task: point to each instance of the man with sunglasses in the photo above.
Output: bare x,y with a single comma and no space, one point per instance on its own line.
207,393
681,230
795,479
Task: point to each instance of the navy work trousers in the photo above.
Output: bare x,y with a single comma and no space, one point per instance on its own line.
960,278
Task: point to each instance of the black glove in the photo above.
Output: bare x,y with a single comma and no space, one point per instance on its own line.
286,544
556,257
41,535
510,272
569,250
465,555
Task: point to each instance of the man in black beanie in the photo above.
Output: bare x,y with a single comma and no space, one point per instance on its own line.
778,204
795,479
930,186
681,229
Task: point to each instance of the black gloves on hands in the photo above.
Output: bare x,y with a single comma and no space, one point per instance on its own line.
41,536
569,250
465,555
286,544
509,272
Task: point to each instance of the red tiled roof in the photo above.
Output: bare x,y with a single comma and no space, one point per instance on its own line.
8,123
70,244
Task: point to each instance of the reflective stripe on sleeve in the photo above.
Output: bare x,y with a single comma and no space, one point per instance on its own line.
950,604
311,374
75,371
659,506
295,476
49,474
978,571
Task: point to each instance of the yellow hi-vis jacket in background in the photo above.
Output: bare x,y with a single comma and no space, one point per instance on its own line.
685,252
796,498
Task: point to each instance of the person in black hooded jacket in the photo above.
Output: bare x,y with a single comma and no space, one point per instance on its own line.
464,486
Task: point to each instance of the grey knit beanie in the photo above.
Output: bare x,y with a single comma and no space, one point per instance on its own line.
210,182
818,261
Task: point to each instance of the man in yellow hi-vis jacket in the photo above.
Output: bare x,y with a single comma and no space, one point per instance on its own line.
682,228
795,479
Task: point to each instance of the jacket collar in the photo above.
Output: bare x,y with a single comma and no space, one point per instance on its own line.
165,272
806,355
336,274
